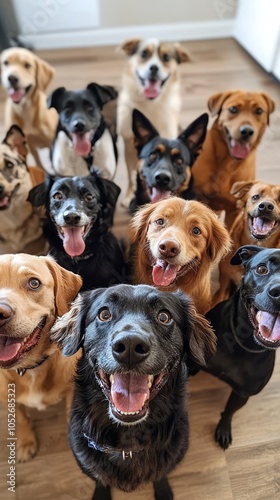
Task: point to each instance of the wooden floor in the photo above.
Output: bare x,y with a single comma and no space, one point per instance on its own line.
250,469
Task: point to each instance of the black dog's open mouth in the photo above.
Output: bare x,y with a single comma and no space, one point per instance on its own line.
237,149
164,273
261,227
129,393
17,94
156,194
82,142
12,349
152,86
266,327
74,238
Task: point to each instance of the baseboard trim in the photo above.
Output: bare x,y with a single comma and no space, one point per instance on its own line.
113,36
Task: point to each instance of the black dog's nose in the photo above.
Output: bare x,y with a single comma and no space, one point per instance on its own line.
6,312
162,178
130,349
13,79
169,248
246,131
265,206
274,292
72,218
78,126
153,69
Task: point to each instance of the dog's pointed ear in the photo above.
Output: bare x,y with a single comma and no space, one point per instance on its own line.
38,195
54,100
44,73
16,139
139,223
102,93
244,254
270,105
131,46
215,102
143,130
194,135
68,330
219,241
181,55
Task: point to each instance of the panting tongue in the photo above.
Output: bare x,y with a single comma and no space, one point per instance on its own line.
152,89
16,94
239,150
9,348
263,226
269,325
73,242
164,273
157,195
4,202
129,391
81,143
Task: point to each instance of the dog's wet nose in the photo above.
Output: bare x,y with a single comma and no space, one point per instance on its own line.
274,292
169,248
162,178
153,69
13,79
266,206
130,350
246,131
2,188
6,312
78,126
72,217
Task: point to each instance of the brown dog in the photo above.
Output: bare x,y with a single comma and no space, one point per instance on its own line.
25,78
258,223
34,291
151,85
177,243
229,150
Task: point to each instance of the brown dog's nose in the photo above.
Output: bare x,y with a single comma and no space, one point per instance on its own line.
169,248
246,131
6,312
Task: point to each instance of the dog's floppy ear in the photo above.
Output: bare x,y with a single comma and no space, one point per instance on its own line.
16,139
181,54
109,190
239,190
219,243
38,195
215,102
143,130
44,73
194,135
244,254
102,93
270,104
139,223
131,46
68,330
54,100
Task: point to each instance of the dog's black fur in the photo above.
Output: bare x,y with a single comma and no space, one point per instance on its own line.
131,332
75,202
166,163
245,343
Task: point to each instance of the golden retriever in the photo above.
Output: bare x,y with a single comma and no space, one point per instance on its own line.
177,243
150,84
25,78
34,291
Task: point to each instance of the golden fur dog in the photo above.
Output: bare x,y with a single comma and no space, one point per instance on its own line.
20,224
34,291
258,223
177,243
229,150
25,78
151,85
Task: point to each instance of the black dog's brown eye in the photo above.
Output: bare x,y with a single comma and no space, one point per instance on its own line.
166,57
196,230
144,54
259,111
261,269
233,110
178,161
104,314
34,283
88,197
152,158
164,317
159,222
57,196
256,197
27,65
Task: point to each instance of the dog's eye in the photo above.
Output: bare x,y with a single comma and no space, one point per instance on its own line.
104,314
178,161
144,54
27,65
6,63
164,317
259,111
166,57
262,269
196,230
233,110
57,196
159,222
256,197
34,283
152,158
88,197
9,164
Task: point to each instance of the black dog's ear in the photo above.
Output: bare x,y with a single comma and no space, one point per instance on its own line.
143,130
54,100
244,254
109,191
102,93
68,330
194,135
38,195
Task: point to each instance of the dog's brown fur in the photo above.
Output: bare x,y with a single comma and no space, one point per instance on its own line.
216,170
31,113
163,111
249,195
49,382
198,252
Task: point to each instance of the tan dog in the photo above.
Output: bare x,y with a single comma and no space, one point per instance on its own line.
25,78
177,243
34,291
258,223
151,85
20,224
229,150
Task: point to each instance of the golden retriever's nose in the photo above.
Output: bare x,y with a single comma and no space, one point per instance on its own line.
6,312
13,79
169,248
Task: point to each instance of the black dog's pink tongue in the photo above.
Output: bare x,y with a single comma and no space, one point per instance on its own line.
81,143
73,242
157,195
239,150
129,392
263,226
269,325
9,348
164,273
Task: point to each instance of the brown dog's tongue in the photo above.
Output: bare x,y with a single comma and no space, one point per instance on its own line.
157,195
164,273
239,150
81,143
16,94
152,89
73,242
263,226
4,202
9,348
129,391
269,325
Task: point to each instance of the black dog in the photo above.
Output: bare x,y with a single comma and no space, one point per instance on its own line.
248,331
129,423
79,216
166,163
82,137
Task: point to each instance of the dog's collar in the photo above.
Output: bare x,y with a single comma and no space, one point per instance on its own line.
99,132
77,258
21,371
108,449
237,339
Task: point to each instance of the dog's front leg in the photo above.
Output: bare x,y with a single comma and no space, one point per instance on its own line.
223,431
26,440
163,490
102,492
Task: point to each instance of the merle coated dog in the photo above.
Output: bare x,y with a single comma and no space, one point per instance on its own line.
79,216
82,137
248,332
128,423
165,163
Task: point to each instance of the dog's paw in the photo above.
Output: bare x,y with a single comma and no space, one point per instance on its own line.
26,448
223,434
